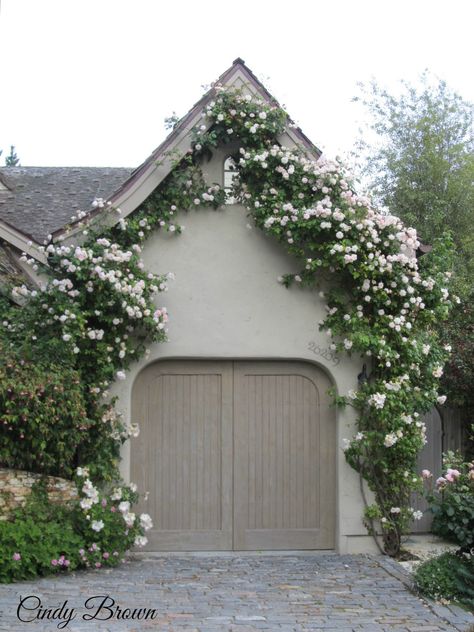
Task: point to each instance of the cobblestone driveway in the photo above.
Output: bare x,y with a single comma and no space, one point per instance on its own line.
214,593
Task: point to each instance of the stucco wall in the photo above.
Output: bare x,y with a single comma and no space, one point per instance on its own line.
226,303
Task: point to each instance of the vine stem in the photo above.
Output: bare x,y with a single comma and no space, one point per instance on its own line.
364,498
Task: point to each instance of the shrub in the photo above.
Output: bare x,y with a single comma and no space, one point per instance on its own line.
448,577
43,419
92,532
435,578
452,502
107,526
37,534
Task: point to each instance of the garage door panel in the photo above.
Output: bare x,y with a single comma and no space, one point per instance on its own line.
188,492
278,474
282,442
186,431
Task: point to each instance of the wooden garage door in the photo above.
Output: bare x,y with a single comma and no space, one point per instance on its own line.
235,455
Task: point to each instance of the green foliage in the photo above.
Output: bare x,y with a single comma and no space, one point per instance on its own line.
44,538
234,116
43,418
421,166
448,577
39,533
458,330
435,578
452,502
171,121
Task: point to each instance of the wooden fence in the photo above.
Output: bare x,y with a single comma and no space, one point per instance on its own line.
443,434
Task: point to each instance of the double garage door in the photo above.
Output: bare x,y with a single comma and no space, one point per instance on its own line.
235,455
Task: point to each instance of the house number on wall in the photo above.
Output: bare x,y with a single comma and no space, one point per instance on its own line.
324,352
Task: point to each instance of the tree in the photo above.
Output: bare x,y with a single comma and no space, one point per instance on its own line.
420,165
12,159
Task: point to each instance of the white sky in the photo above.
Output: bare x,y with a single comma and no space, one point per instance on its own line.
89,82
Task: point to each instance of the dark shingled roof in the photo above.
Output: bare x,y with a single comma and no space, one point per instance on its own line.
39,200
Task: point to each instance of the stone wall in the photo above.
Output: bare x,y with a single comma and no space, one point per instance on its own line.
15,487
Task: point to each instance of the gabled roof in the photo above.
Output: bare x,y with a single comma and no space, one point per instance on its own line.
40,200
50,212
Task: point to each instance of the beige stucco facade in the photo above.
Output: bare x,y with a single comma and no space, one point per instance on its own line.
226,303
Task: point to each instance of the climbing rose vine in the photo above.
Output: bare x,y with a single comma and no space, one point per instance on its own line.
381,302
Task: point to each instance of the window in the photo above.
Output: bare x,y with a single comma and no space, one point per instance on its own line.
230,175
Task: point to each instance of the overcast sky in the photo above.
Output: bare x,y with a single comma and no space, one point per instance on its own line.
89,82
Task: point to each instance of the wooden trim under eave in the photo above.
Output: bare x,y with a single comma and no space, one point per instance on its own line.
22,242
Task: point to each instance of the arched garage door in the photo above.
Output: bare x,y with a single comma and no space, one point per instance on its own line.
235,455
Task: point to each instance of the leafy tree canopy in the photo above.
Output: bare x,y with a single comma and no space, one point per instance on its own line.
418,158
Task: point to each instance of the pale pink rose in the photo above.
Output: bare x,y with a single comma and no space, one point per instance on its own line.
426,474
452,475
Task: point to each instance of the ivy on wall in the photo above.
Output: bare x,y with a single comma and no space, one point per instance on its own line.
98,312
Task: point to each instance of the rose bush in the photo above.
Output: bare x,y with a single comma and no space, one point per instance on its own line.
106,523
451,499
93,532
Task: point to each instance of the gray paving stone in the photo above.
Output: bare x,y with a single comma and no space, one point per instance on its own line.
278,593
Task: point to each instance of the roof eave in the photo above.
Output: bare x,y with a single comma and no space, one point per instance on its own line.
22,241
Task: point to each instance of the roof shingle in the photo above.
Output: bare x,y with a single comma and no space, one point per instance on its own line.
39,200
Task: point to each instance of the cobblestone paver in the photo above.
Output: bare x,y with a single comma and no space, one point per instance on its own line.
231,593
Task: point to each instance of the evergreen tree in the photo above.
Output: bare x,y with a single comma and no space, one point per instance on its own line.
12,159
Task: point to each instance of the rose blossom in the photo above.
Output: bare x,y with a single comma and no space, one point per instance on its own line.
140,540
146,521
452,475
97,525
